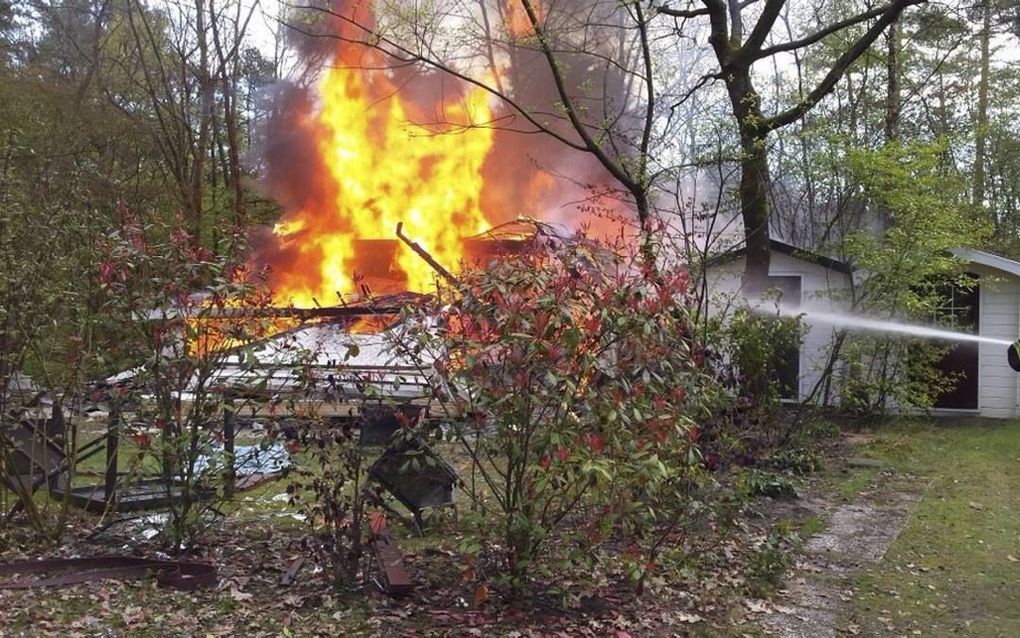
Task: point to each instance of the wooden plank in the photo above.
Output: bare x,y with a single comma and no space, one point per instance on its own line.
388,555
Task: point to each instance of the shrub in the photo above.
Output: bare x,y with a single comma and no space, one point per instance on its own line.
762,483
584,386
328,489
187,359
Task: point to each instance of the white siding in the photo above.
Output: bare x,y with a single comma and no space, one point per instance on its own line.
997,317
818,285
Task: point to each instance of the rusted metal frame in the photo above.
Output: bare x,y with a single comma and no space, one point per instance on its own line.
112,445
230,470
300,313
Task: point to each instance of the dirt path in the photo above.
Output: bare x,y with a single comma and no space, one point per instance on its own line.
856,536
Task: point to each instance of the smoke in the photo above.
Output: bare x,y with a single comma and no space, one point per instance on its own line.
527,172
538,174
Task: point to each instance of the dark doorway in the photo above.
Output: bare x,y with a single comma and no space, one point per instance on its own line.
787,363
959,311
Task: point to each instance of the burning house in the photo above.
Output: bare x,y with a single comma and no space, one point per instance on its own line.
391,176
375,143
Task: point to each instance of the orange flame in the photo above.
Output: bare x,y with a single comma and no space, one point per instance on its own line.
387,166
516,19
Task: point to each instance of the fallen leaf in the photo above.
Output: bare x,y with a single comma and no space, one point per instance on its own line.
377,521
133,615
481,595
239,595
756,606
292,600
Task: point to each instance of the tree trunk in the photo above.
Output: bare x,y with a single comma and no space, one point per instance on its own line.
892,108
754,180
198,151
647,234
981,133
892,95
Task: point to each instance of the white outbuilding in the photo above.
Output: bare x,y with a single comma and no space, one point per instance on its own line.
988,386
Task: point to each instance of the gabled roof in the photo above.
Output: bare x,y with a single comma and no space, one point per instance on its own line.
990,260
779,246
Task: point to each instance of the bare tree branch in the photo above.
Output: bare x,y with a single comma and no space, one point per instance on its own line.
821,34
840,66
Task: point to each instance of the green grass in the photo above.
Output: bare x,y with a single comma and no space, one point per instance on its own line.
955,568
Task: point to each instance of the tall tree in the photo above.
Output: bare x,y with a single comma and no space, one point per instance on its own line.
737,50
981,121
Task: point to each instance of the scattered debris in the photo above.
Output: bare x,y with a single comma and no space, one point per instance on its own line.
292,571
61,572
251,459
415,475
395,579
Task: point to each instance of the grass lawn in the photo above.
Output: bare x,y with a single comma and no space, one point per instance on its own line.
955,568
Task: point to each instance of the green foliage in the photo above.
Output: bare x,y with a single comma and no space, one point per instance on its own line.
48,294
764,483
904,272
927,215
799,460
753,346
769,562
756,344
584,386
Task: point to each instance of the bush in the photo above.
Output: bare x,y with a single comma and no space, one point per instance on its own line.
799,460
329,490
187,360
584,387
762,483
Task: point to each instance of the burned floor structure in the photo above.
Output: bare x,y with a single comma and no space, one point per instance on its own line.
315,376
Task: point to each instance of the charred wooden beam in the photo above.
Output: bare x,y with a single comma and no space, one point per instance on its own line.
424,254
298,313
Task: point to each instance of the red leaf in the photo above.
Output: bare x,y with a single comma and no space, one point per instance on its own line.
481,595
377,521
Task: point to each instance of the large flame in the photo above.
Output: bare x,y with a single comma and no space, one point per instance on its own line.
387,165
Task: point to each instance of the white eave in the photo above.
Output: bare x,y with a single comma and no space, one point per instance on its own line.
988,260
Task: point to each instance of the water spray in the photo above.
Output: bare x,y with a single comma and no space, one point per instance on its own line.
856,322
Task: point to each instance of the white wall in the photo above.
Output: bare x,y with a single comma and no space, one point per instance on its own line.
997,317
817,287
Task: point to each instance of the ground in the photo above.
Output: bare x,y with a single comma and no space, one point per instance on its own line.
910,528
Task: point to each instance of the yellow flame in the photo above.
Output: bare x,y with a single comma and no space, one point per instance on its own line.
386,169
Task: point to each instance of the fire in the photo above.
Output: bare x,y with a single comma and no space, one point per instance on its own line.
387,162
516,19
